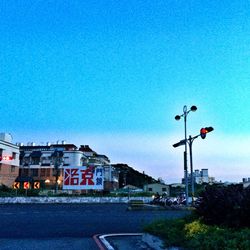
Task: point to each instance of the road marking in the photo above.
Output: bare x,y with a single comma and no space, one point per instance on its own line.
107,244
98,242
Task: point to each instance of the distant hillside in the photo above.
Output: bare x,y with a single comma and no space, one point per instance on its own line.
130,176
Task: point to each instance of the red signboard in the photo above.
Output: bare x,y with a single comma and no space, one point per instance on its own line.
80,178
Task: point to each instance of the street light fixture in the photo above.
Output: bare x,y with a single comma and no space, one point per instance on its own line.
193,108
178,117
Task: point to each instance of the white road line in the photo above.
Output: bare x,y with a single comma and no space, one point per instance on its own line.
107,244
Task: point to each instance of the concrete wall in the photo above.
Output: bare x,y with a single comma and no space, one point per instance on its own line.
14,200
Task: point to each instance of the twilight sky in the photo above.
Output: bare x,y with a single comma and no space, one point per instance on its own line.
113,74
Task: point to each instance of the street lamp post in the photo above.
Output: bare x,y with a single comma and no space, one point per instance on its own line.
178,117
190,142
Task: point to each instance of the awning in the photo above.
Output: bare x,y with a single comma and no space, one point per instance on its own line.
45,155
57,154
36,154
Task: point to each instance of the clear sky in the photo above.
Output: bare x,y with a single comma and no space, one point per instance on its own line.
113,74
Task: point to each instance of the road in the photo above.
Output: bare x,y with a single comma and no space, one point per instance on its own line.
35,225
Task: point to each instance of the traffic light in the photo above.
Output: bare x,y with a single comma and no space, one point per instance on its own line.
204,131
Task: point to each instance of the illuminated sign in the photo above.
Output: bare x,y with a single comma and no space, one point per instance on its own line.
83,178
26,185
16,185
36,185
6,158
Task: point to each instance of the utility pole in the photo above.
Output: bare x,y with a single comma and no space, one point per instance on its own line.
190,140
178,117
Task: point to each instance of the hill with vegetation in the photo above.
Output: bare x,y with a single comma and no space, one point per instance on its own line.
130,176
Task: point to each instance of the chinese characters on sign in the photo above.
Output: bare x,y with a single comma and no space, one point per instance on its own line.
78,178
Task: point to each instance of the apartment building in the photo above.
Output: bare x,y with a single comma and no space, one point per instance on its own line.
200,177
9,160
246,182
45,163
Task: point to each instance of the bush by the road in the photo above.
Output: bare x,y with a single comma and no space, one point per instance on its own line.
193,234
225,206
9,192
221,221
6,191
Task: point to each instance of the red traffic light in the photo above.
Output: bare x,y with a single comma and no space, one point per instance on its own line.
204,131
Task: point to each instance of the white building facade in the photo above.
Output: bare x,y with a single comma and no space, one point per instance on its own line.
9,160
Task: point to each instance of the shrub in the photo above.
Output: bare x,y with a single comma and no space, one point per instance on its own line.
4,188
196,235
219,238
225,206
194,228
6,191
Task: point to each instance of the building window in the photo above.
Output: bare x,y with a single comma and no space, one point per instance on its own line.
48,172
25,172
164,189
35,161
34,172
43,172
14,155
150,189
12,169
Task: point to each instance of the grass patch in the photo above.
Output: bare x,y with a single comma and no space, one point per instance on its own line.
191,233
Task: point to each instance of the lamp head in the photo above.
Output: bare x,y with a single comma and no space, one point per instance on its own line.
193,108
177,118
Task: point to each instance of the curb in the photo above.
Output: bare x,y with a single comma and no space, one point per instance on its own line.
145,207
152,241
108,245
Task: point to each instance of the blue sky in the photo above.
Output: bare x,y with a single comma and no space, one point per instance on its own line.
113,74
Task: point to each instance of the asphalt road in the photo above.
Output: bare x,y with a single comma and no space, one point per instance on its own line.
69,226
